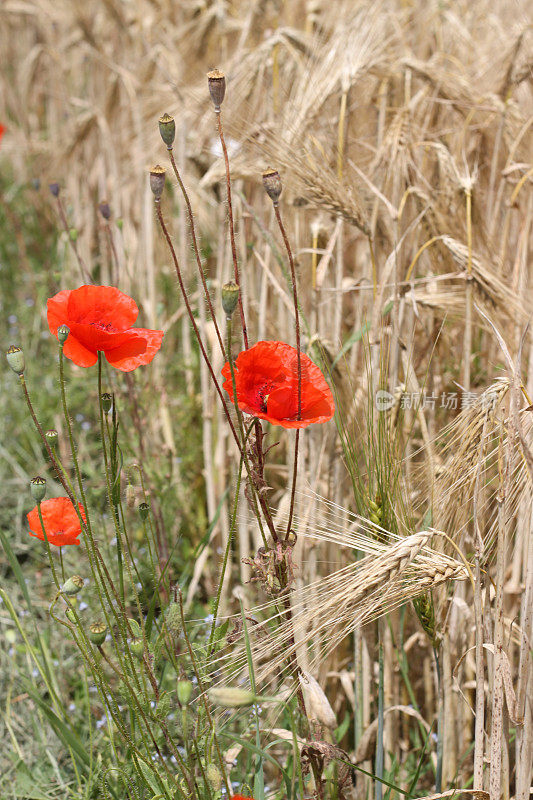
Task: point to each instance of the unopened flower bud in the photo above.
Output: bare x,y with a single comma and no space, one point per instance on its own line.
73,585
103,208
167,129
272,184
214,777
15,359
144,510
54,188
216,81
73,234
71,616
38,488
230,298
52,437
63,334
157,181
130,495
107,402
231,696
137,647
97,633
184,692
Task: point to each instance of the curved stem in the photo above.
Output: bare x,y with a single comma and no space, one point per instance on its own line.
196,251
193,321
298,357
231,224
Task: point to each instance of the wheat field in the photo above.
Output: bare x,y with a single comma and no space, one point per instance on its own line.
383,648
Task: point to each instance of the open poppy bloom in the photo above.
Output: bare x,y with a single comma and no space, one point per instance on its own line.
266,380
100,319
61,522
2,129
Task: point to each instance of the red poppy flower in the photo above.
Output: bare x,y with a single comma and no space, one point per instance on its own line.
266,379
61,522
100,319
2,130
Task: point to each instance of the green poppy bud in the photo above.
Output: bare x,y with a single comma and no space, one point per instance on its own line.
184,692
15,359
214,777
62,334
137,647
71,616
97,633
73,585
231,696
167,129
38,488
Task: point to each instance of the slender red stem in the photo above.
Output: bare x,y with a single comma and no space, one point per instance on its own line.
231,225
298,358
197,252
193,322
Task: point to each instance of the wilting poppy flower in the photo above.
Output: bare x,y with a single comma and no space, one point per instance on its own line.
61,522
100,319
266,379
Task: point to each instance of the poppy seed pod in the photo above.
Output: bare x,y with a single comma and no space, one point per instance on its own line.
167,129
52,437
157,181
230,298
38,488
15,359
144,510
272,184
105,211
97,633
70,615
216,81
107,402
63,334
73,585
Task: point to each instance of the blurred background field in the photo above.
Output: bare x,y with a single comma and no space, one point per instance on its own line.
402,133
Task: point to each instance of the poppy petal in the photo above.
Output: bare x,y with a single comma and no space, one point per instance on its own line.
140,349
57,310
266,381
104,306
78,353
60,519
